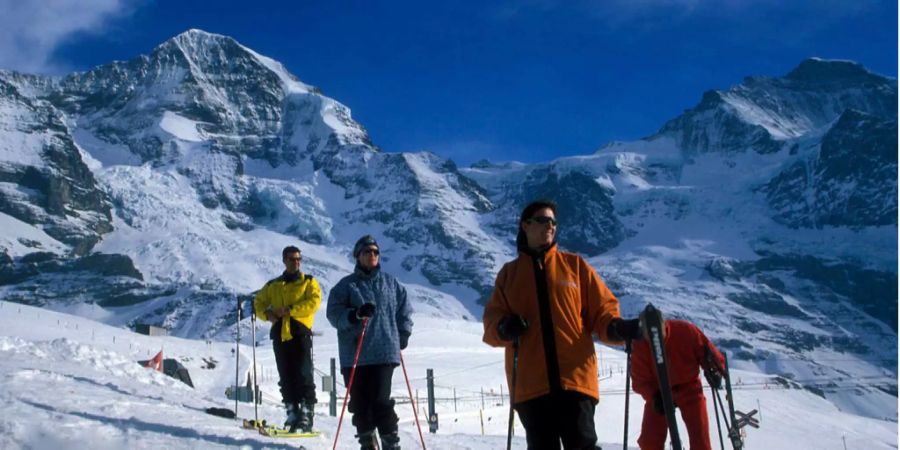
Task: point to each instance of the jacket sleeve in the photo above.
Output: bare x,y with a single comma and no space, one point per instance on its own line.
707,353
309,302
262,302
404,311
644,382
497,307
339,306
600,304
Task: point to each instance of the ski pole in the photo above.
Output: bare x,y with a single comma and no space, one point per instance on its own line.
733,433
715,393
512,393
724,416
411,401
627,389
255,384
350,381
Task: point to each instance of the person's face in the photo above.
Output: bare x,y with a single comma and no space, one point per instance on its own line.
368,257
540,228
292,262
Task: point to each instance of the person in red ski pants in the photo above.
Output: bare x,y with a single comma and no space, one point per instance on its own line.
687,351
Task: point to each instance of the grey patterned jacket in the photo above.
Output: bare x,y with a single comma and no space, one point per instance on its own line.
381,345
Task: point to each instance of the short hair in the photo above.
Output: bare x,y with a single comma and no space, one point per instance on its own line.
533,207
288,250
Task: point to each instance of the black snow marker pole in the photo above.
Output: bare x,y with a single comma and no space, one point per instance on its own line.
627,389
237,356
512,393
255,383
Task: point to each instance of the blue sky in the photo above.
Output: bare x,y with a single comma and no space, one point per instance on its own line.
528,80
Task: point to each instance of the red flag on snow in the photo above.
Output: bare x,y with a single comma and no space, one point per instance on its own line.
156,363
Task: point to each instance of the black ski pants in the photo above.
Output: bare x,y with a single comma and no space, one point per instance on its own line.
564,415
295,366
370,398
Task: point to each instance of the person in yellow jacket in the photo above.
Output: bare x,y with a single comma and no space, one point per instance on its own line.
550,303
289,302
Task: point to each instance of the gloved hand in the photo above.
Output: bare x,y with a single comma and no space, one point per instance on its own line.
366,310
511,327
713,377
621,329
404,341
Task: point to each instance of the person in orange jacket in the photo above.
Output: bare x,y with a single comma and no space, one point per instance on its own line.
551,303
687,351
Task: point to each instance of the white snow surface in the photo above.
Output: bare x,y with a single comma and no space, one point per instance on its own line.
70,382
180,127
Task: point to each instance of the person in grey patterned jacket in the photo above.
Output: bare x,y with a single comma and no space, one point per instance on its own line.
371,293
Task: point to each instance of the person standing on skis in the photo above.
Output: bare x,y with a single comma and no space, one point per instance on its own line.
371,296
551,303
289,302
687,351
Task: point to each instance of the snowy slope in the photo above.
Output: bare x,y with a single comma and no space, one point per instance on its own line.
74,383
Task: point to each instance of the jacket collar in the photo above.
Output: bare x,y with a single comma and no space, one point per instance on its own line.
291,277
366,274
542,254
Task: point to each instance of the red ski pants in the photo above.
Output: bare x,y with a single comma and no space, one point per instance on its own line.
692,404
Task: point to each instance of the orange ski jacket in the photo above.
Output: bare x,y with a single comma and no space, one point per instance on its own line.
565,302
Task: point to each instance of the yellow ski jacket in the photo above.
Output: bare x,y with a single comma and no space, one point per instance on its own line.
302,296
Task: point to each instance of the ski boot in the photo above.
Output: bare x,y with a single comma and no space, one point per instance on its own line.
390,441
367,440
304,420
310,415
293,416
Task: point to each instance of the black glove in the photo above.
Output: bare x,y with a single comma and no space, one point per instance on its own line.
366,310
511,327
404,340
621,329
714,378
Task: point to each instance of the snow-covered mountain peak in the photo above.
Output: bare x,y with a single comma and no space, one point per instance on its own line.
208,53
763,113
821,71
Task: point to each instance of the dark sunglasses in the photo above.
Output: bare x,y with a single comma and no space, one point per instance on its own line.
297,259
371,251
543,220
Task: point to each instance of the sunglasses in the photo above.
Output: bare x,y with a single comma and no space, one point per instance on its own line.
297,259
371,251
543,220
